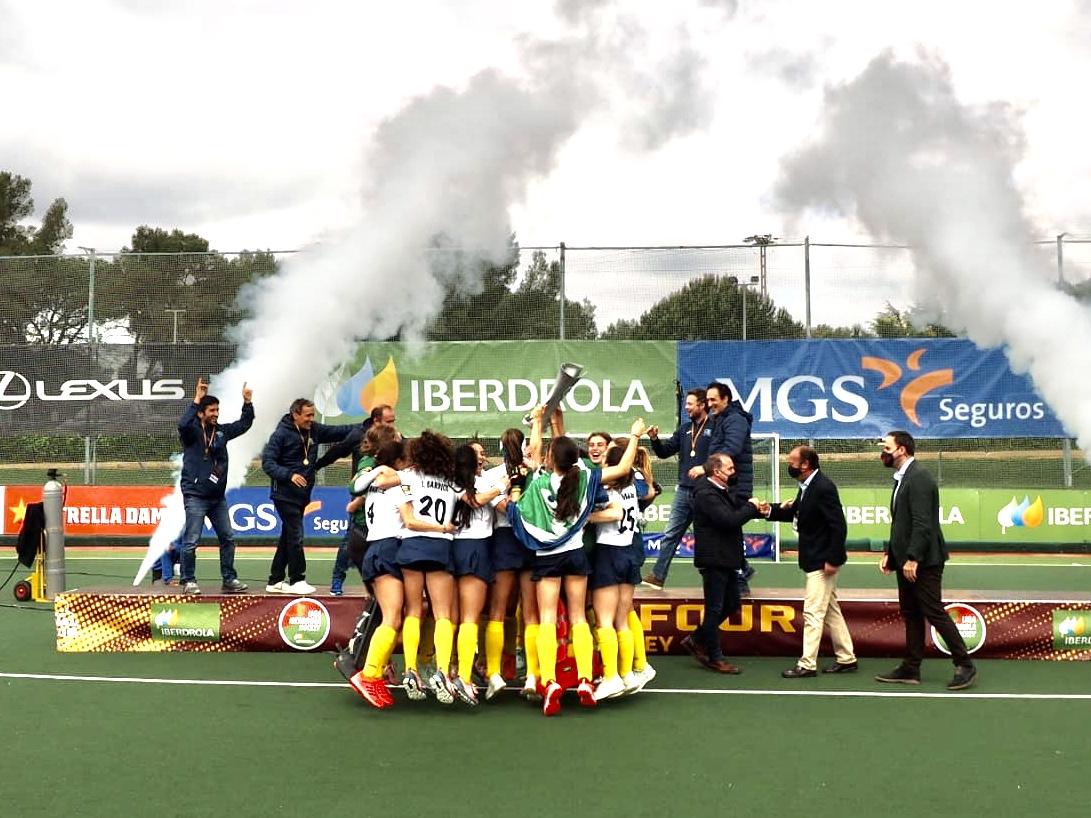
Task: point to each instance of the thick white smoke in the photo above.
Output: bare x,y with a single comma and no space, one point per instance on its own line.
448,166
896,150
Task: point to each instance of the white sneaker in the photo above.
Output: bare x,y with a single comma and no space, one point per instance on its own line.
530,689
277,588
632,683
608,688
644,676
301,588
496,684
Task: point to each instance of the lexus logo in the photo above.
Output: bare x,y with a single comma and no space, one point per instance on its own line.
14,389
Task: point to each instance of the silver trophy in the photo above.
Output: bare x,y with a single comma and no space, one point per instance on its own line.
567,377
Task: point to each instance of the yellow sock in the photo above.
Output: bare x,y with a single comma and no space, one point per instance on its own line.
411,641
640,655
608,648
546,640
427,646
445,642
624,652
494,646
467,649
379,650
530,648
583,646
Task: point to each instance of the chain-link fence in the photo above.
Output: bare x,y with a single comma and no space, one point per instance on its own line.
131,319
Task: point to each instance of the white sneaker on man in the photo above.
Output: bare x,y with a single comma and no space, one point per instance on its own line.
277,588
300,588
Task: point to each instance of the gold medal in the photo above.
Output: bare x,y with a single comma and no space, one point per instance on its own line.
306,462
692,452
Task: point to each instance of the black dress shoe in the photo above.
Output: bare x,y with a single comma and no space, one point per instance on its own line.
798,672
900,675
964,678
837,667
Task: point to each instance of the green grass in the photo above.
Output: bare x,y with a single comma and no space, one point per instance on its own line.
99,748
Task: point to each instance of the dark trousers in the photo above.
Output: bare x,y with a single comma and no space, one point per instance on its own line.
289,556
721,600
344,557
922,601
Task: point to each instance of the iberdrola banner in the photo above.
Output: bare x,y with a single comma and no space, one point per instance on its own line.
483,387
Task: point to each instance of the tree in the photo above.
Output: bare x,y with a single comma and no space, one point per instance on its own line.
495,308
16,204
169,286
708,308
45,300
890,323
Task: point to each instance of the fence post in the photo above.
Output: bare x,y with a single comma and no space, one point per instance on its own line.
90,349
807,283
1060,258
1066,462
561,336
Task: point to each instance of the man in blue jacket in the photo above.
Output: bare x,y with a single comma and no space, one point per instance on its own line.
290,458
731,436
204,481
690,442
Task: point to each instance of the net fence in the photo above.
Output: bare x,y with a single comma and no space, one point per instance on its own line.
132,324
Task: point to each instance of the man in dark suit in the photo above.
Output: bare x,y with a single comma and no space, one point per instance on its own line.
719,514
916,552
820,521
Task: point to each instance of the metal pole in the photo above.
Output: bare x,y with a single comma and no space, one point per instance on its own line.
53,505
91,344
1060,258
807,283
561,336
745,291
1066,462
174,312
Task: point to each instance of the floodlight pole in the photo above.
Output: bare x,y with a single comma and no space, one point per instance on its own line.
807,284
562,271
1060,258
87,449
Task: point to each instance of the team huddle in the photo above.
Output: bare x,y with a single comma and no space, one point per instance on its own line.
481,542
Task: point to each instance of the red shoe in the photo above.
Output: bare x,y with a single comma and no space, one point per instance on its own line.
586,691
373,691
551,702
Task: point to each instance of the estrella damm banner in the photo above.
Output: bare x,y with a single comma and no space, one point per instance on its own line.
866,388
483,387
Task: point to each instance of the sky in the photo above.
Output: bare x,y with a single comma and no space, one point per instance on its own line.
254,123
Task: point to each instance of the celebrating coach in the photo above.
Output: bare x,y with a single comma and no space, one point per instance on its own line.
204,480
290,458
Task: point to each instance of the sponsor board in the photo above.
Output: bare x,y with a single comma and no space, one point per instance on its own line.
864,388
970,624
1072,630
135,511
304,623
469,388
187,621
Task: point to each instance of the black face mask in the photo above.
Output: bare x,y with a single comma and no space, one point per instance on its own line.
733,480
887,458
794,472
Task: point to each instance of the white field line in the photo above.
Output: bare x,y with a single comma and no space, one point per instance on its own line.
842,694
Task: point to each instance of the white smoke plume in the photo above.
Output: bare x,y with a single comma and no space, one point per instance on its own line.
901,154
447,167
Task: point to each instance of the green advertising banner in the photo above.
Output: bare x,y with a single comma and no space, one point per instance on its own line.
1048,516
482,387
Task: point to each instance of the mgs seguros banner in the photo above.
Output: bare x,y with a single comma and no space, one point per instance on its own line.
932,388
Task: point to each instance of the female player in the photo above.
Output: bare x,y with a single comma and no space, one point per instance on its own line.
615,574
549,518
512,562
382,501
471,552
